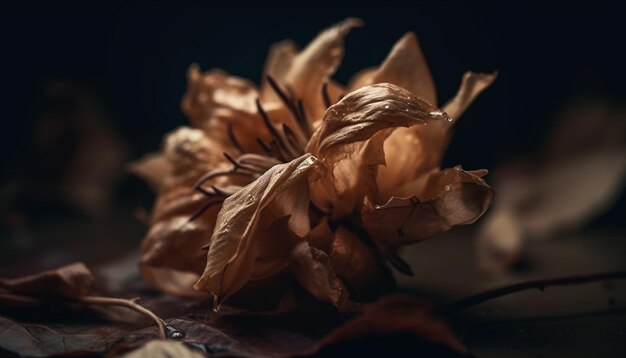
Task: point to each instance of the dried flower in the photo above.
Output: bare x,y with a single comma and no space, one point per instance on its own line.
312,183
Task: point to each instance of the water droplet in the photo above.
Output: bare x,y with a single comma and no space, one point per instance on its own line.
386,106
447,188
173,332
436,114
377,207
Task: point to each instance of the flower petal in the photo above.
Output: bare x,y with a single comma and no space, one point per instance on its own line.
350,141
215,99
279,61
312,267
312,67
235,248
353,261
406,67
450,197
471,86
414,152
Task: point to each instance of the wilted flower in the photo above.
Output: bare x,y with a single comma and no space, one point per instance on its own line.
296,179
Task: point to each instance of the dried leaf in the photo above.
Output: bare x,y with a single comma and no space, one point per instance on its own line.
538,205
407,318
236,249
164,349
72,280
450,197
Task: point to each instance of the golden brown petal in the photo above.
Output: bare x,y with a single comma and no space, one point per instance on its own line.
313,269
279,61
471,86
173,246
450,197
413,152
235,245
350,141
215,99
406,67
312,67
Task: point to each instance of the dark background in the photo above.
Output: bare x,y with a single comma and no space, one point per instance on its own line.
133,57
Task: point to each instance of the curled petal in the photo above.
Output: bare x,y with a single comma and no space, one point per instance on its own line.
350,141
414,152
450,197
313,269
312,67
366,111
406,67
236,250
471,86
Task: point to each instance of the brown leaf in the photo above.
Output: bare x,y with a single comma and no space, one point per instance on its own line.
70,281
236,250
448,198
537,205
164,349
405,317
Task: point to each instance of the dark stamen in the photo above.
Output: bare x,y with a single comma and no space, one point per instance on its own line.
232,160
233,138
266,148
205,207
293,139
302,120
220,173
283,97
289,102
270,126
277,150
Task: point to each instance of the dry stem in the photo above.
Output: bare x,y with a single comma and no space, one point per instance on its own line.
540,284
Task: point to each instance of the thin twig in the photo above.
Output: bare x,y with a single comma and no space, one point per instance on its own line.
128,303
540,284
